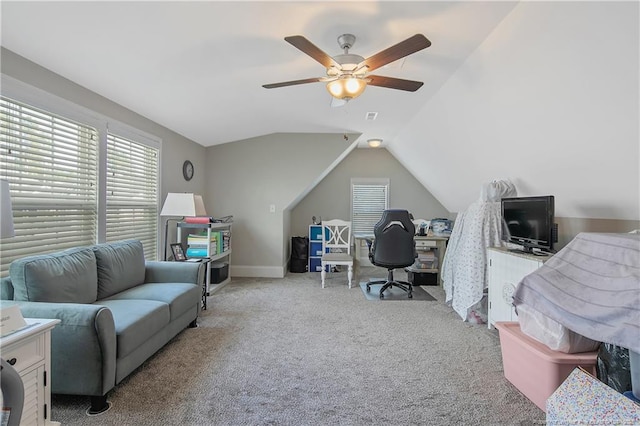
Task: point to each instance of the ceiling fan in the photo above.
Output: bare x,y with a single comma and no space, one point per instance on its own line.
348,74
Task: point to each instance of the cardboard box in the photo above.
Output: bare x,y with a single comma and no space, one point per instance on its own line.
533,368
584,400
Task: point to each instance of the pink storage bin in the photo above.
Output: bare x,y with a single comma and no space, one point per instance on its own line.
533,368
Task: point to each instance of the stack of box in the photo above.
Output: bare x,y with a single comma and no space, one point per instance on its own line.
426,260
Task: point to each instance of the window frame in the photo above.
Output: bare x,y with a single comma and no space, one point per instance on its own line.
38,98
383,182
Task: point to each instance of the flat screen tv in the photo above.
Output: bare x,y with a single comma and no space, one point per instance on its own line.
529,221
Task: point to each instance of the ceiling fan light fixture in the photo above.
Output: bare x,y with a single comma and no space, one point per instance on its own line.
346,88
374,143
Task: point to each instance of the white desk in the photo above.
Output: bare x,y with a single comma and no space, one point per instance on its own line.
423,242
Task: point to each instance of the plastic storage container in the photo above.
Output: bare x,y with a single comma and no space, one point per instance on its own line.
422,278
533,368
219,272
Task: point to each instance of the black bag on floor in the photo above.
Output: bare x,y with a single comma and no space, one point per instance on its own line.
299,254
613,368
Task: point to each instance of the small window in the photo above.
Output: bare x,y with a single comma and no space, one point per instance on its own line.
132,192
369,198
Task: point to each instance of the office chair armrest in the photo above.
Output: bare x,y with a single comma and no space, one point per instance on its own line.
370,245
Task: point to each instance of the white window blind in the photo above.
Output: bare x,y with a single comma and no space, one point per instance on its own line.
51,165
132,192
368,200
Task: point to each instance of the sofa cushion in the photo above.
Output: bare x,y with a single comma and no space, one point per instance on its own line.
136,321
69,276
181,297
120,266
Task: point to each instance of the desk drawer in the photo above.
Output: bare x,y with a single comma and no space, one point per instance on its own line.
425,244
26,353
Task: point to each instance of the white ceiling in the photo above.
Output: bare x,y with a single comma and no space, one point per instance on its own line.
198,68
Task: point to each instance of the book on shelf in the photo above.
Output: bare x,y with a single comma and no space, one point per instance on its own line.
197,252
217,242
197,245
199,238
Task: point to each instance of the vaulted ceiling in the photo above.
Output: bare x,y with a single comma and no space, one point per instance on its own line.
543,93
198,67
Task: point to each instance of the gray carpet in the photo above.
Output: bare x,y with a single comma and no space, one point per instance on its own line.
394,293
287,352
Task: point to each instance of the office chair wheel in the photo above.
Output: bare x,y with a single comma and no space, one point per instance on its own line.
381,295
410,296
368,288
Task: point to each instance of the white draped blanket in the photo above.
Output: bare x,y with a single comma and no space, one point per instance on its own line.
464,270
592,287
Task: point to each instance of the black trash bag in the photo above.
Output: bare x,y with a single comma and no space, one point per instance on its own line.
299,254
613,368
299,247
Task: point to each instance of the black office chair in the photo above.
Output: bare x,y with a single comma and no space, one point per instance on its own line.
393,247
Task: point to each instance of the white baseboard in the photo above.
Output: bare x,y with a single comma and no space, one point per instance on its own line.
257,271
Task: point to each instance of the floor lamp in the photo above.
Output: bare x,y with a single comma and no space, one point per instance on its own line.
180,204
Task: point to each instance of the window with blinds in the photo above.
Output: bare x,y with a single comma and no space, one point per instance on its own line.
51,164
75,184
369,198
132,192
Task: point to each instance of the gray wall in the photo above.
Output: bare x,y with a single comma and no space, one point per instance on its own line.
536,104
331,199
245,178
175,148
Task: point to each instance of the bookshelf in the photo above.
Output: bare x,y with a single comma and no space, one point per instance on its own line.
210,242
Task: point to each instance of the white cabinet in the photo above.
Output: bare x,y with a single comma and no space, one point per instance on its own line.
29,351
505,270
215,249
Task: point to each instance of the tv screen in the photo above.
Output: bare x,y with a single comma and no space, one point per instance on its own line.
529,221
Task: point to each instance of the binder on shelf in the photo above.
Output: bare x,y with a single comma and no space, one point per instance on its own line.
196,252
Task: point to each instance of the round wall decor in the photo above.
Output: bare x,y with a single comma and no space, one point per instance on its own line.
187,170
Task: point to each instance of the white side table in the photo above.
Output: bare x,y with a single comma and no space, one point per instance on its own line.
29,351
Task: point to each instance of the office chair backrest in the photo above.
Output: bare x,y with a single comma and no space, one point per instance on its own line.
393,246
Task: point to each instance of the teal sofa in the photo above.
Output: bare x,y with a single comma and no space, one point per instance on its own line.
116,310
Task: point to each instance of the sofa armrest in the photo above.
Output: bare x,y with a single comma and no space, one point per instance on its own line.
174,272
83,346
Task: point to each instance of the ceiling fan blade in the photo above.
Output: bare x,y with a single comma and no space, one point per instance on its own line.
312,50
294,82
394,83
404,48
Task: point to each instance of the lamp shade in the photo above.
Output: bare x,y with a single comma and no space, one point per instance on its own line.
183,204
6,212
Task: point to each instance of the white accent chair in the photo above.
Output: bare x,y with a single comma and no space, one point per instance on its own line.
336,247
